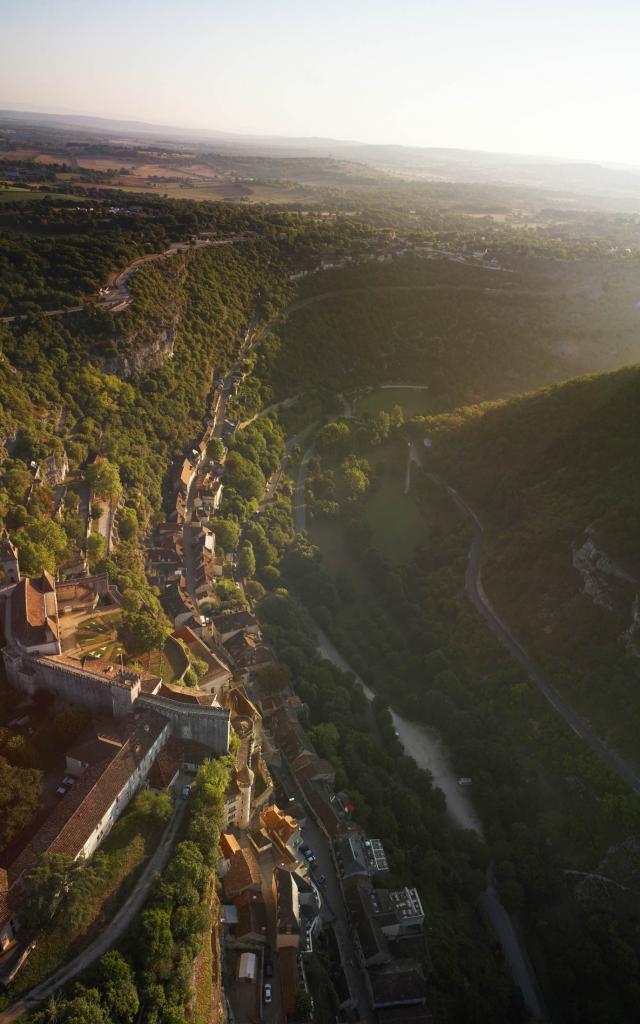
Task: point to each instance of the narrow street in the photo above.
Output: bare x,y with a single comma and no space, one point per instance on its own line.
334,911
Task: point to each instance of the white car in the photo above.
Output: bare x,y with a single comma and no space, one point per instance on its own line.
267,992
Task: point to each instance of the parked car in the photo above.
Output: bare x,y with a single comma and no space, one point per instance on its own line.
267,992
464,780
68,780
268,969
60,791
186,792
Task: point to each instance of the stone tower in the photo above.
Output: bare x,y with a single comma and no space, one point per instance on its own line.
8,561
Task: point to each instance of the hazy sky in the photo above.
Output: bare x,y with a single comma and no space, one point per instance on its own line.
556,77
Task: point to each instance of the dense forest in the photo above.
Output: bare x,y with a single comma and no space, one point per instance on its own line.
468,333
554,477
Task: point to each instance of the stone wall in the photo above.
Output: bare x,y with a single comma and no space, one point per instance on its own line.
74,686
207,725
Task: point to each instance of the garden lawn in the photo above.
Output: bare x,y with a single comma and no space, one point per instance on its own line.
397,525
413,402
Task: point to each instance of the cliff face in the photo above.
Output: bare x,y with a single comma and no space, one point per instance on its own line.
148,355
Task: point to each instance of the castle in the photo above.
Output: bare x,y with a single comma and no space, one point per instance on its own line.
34,613
142,731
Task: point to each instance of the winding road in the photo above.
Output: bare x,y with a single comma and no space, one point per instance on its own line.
478,597
119,297
112,932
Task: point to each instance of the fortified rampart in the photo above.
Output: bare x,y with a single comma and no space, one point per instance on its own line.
117,696
73,685
208,725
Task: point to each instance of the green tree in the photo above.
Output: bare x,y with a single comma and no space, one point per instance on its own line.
334,439
20,790
227,533
96,547
119,993
154,940
215,450
128,523
246,560
190,678
325,738
84,1007
103,478
68,724
148,632
45,888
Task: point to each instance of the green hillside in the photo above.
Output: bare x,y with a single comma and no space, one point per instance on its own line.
555,479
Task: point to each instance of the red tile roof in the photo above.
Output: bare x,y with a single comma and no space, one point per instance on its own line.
243,874
76,817
34,613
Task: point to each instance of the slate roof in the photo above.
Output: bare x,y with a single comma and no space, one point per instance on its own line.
399,983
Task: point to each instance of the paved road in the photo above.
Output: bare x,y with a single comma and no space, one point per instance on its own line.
113,931
475,591
334,910
119,296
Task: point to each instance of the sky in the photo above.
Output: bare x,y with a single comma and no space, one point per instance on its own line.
557,78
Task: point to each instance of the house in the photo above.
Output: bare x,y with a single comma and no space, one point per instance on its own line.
252,918
166,767
118,766
217,674
398,984
235,622
33,621
398,913
282,829
260,841
289,978
248,651
186,475
358,856
243,875
287,909
371,943
379,916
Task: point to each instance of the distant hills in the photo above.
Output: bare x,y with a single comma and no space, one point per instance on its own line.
433,164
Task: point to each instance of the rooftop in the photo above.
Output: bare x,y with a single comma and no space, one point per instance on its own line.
34,612
242,874
79,812
288,904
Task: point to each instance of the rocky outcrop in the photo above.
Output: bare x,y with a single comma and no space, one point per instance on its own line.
146,356
610,586
602,578
54,469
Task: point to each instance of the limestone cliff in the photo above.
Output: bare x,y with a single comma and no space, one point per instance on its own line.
145,356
